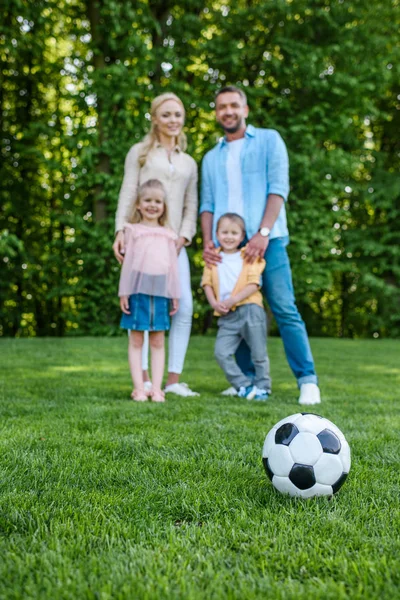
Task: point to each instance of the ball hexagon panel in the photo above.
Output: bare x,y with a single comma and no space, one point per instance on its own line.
317,490
305,449
328,469
290,419
280,460
284,485
345,457
269,442
286,433
310,423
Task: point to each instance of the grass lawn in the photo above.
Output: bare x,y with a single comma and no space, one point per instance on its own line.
102,498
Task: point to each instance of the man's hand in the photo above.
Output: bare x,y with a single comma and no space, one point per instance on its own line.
174,307
256,247
210,255
179,243
119,247
124,304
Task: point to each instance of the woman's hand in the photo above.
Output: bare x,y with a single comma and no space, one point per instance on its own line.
210,255
119,246
124,304
179,243
175,307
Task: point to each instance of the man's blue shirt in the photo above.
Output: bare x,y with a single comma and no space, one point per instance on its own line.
265,170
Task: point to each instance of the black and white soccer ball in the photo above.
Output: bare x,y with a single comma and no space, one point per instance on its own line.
306,455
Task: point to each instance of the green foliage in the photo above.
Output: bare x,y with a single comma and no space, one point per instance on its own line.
77,80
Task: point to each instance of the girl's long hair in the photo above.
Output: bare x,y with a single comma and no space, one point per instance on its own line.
152,137
150,184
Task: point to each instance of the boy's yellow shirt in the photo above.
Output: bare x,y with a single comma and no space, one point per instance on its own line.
250,273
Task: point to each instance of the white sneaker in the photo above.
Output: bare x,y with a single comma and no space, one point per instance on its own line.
309,394
180,389
231,391
147,386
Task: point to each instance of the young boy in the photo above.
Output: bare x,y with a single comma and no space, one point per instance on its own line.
232,289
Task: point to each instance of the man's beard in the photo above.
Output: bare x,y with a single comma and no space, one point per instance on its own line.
232,128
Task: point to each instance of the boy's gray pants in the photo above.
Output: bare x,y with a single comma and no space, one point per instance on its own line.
247,322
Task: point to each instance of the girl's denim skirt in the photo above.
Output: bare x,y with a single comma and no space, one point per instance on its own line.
148,313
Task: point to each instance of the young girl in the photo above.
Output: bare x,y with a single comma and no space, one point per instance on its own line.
149,283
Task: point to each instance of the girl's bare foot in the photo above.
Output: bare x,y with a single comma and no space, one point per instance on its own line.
157,396
139,396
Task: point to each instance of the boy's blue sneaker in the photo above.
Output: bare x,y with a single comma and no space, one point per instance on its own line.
260,394
247,392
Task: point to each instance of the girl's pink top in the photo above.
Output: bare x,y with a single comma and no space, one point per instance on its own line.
150,263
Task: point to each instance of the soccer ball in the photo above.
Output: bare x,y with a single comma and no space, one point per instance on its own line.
306,455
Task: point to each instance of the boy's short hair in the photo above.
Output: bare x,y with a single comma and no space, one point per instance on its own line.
235,218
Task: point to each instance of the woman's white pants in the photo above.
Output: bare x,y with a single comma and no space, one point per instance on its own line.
181,322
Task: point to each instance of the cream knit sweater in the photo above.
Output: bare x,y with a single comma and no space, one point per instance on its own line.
179,176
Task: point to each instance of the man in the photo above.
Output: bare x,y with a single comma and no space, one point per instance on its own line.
247,173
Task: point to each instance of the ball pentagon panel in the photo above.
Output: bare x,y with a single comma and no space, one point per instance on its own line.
267,468
338,484
335,429
286,433
302,476
329,441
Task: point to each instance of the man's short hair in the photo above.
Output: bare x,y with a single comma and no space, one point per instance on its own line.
231,88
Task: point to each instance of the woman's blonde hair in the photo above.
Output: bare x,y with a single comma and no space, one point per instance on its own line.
152,184
152,137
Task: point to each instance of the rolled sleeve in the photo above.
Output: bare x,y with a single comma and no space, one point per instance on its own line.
254,272
207,200
207,277
127,194
190,207
278,167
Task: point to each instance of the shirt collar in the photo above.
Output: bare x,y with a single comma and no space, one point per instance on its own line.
176,148
249,133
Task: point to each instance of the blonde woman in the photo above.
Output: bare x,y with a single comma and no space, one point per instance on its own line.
161,155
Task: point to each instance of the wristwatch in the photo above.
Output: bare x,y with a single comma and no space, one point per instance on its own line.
264,231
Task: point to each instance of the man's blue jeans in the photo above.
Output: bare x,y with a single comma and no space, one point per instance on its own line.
277,287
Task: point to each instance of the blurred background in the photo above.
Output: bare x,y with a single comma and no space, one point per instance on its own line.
77,79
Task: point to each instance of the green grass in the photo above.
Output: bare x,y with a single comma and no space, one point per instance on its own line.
103,498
